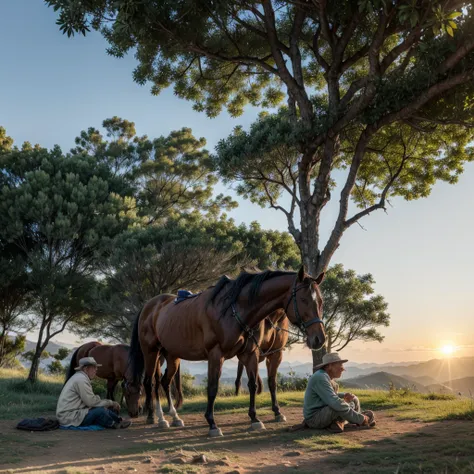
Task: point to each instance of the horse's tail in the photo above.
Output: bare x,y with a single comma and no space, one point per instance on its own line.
72,365
135,356
179,388
238,380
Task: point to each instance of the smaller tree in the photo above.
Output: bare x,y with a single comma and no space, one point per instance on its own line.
56,368
11,349
351,310
62,353
30,355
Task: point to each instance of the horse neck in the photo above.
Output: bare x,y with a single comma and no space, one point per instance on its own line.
273,296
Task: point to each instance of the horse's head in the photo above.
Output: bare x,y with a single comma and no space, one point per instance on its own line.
305,308
132,393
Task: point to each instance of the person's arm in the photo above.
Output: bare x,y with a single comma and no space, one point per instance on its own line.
89,398
331,399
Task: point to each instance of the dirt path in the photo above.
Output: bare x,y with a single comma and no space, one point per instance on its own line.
391,445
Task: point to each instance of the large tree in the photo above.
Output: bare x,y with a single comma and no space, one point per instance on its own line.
61,214
381,90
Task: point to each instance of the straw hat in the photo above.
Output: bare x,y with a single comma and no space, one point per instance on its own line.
85,361
330,358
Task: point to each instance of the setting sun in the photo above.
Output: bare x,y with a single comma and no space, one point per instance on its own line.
447,349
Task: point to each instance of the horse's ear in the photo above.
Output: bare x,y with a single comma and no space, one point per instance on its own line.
301,273
320,278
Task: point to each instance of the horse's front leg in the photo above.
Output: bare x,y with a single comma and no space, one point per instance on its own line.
162,422
111,384
251,365
214,370
273,362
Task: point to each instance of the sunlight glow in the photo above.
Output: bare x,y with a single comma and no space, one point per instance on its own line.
448,349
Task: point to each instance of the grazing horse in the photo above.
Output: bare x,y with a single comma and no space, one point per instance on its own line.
272,346
218,324
114,368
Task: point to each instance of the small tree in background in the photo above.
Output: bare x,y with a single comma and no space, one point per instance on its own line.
351,310
11,349
61,213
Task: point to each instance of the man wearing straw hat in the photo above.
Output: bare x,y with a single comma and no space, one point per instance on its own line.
324,406
78,406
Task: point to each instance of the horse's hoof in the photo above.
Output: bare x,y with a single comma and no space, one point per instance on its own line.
177,423
150,421
280,418
215,433
163,424
257,426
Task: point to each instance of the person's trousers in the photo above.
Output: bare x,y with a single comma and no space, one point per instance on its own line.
323,417
101,416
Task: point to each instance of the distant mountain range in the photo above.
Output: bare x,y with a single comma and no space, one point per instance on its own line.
436,375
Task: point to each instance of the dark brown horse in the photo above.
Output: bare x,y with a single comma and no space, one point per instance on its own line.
218,324
275,337
115,367
112,358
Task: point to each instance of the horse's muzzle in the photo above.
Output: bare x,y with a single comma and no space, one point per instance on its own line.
314,342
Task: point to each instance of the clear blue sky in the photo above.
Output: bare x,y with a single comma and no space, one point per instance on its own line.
420,253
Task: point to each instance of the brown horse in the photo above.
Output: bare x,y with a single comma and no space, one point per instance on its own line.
218,324
112,358
114,368
272,346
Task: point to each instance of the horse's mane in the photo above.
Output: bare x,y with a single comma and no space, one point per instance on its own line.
235,287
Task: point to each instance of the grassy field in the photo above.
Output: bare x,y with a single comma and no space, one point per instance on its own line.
19,398
429,447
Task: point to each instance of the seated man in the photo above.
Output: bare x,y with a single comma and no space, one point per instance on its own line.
324,407
78,406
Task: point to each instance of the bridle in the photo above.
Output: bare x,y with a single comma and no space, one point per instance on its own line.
303,325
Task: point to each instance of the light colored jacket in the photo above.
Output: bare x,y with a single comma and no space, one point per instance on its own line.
321,392
75,400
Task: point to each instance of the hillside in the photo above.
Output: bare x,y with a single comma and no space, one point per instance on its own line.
382,380
464,385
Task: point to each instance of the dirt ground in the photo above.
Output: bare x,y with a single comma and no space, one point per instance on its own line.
145,449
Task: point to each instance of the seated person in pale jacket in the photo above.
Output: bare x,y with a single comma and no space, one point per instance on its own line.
78,406
324,407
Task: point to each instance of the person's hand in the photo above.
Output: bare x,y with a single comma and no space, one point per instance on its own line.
366,421
116,407
349,397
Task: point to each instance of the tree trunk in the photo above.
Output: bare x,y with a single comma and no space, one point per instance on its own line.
40,347
3,340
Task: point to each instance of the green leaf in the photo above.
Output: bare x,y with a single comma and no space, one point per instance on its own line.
449,30
454,15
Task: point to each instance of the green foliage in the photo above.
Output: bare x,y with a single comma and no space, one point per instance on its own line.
352,311
291,382
30,355
56,368
60,213
62,353
166,175
381,89
10,349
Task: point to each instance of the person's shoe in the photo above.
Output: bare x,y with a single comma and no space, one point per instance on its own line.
370,415
336,427
124,424
298,427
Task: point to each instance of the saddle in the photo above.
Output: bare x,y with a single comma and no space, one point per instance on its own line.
184,295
